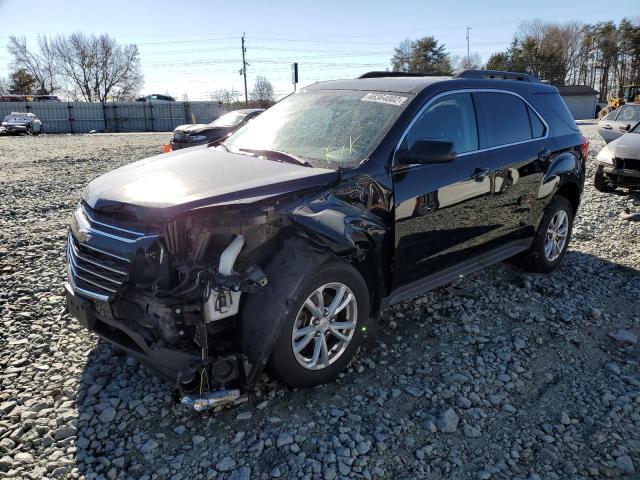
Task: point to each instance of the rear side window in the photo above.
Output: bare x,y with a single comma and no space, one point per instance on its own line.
537,127
450,118
558,116
505,118
629,113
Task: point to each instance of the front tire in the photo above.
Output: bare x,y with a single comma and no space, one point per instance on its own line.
324,327
601,183
552,238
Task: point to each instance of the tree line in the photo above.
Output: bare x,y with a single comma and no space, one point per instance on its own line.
262,95
604,56
93,68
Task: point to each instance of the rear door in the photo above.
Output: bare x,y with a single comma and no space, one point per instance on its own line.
516,139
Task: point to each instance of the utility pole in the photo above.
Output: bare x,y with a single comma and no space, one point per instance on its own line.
244,72
468,55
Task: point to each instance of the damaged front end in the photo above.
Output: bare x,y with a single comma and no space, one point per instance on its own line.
169,294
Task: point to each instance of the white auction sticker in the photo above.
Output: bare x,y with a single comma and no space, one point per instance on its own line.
384,98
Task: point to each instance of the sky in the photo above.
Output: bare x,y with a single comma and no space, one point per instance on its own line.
194,47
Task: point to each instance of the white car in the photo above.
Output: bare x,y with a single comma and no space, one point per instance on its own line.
18,122
618,163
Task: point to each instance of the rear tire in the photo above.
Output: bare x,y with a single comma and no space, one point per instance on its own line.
552,238
328,346
601,183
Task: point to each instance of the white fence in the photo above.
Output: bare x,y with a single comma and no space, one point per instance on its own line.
82,117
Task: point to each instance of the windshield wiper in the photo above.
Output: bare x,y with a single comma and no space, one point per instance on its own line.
278,155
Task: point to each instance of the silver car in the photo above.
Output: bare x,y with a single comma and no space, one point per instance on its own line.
18,122
619,122
618,163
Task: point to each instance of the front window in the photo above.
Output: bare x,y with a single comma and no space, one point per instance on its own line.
448,119
230,119
326,128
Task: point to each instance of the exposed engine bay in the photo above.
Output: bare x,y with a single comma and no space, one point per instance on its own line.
182,293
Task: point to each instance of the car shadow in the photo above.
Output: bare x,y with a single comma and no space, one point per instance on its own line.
129,424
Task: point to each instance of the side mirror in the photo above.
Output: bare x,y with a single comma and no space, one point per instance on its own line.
427,151
624,128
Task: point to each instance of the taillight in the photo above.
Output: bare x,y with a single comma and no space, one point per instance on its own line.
584,147
166,148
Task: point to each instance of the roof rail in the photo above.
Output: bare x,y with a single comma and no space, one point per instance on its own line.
399,74
498,74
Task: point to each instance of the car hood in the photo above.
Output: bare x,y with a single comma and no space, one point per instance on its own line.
198,128
627,146
166,185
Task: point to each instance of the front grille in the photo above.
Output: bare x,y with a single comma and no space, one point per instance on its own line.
629,164
93,272
180,138
88,220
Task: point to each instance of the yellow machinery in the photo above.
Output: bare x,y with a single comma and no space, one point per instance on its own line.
629,94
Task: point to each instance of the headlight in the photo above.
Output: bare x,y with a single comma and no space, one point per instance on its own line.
197,138
605,156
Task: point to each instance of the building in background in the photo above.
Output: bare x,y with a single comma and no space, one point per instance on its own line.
582,100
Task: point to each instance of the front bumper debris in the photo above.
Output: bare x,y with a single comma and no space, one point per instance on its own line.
210,400
621,175
169,363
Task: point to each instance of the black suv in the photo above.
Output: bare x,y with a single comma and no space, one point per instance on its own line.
276,247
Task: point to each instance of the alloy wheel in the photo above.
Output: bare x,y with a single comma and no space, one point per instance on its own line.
324,326
556,237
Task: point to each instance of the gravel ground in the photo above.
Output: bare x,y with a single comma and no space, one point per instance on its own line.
503,375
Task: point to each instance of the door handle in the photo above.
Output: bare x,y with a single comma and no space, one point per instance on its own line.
607,127
480,174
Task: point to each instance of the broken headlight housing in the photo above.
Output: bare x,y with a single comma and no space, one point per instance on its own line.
605,156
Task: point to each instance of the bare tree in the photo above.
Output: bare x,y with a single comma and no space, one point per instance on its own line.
86,67
98,68
40,65
4,87
225,97
461,62
262,92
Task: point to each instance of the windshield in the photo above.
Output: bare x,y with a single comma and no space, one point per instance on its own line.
230,119
326,128
635,129
15,118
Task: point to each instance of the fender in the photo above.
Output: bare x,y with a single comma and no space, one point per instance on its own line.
261,322
564,168
350,230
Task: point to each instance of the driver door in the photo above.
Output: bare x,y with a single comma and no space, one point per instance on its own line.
442,213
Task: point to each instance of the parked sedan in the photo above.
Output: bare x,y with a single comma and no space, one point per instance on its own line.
619,162
619,122
22,123
190,135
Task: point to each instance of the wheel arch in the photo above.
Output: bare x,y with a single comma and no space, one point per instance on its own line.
572,192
